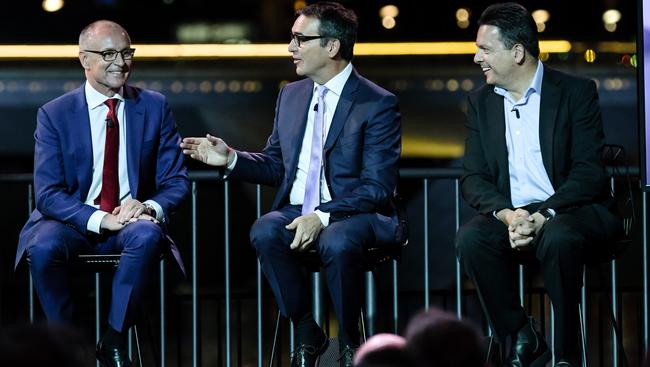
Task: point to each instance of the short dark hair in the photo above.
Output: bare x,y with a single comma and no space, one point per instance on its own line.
515,24
336,22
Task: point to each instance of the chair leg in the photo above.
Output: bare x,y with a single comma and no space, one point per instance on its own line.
583,340
137,345
275,339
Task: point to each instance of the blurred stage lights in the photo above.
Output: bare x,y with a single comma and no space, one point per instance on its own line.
388,13
462,18
541,16
52,6
610,19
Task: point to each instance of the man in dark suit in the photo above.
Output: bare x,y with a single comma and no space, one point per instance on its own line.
532,169
333,153
107,173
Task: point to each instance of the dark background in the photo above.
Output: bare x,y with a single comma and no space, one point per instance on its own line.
432,119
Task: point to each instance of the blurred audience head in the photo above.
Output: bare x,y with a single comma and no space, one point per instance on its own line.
43,345
372,350
437,338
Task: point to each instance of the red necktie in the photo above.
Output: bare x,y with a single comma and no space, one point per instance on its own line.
110,194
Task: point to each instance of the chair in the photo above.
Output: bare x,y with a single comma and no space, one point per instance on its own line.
101,264
371,258
614,159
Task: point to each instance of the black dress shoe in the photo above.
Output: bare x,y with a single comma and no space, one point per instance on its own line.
112,356
307,355
529,349
346,355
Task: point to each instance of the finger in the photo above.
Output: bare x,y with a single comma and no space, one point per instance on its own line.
293,225
212,139
190,140
116,210
297,239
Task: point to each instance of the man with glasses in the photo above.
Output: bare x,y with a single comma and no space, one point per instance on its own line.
107,173
333,153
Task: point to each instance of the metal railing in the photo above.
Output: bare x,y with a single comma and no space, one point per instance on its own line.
425,175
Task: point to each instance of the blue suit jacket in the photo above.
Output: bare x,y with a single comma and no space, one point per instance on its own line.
361,152
63,159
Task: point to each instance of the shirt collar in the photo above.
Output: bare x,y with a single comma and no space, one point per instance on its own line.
535,84
96,99
336,84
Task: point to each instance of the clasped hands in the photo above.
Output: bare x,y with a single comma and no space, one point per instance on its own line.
522,226
132,210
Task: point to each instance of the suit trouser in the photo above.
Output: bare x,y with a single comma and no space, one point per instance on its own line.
339,245
53,245
564,244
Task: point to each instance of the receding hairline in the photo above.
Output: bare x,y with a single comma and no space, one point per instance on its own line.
87,33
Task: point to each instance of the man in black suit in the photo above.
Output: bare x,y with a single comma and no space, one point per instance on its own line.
532,169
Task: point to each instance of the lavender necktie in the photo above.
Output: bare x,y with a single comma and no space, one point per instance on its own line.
312,185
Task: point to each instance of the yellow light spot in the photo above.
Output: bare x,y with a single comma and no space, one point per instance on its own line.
467,85
452,85
541,16
52,5
610,27
590,55
220,86
462,14
299,4
611,16
388,22
543,56
463,24
388,11
205,86
541,27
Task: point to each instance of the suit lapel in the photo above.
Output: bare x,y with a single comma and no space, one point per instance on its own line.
295,129
134,135
497,131
80,131
342,110
550,101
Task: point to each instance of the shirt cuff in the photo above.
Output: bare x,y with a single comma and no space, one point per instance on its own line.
230,167
324,217
160,214
551,211
494,213
95,221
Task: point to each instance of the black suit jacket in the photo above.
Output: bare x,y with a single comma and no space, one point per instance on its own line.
571,142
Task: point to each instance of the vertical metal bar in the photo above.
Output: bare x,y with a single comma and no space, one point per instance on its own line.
459,289
395,303
583,311
258,213
195,334
371,309
97,302
162,313
316,302
615,316
645,270
521,285
130,343
552,346
426,243
30,206
226,260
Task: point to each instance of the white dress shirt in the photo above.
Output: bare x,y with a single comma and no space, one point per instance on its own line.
529,182
297,194
97,112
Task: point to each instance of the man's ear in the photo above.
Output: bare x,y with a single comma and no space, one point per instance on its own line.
333,47
83,59
519,53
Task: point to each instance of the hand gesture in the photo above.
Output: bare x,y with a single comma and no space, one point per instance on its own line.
209,150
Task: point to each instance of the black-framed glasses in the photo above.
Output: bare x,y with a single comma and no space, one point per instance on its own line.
111,55
298,39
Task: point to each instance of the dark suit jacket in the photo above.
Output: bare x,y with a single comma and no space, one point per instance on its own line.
571,142
63,159
360,154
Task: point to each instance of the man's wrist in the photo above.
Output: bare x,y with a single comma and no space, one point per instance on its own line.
547,214
149,209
